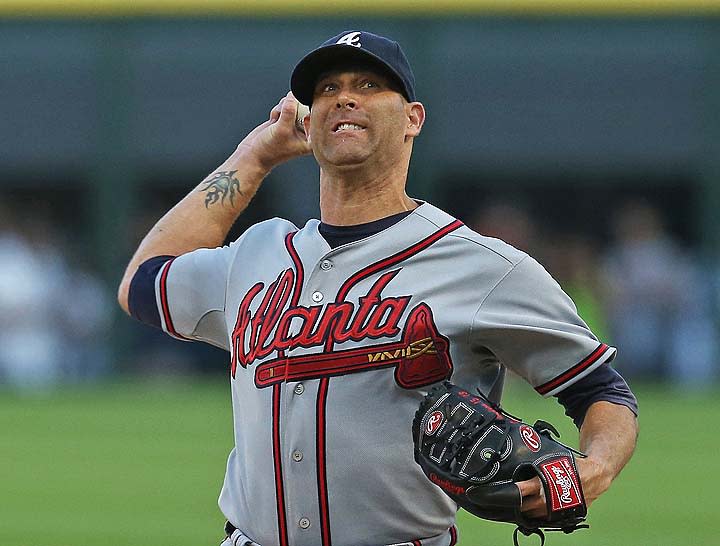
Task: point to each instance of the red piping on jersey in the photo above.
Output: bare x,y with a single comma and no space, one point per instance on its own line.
298,268
277,459
453,536
321,464
277,451
169,326
297,288
584,364
416,543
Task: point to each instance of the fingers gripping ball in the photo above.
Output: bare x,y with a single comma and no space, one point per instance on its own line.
475,451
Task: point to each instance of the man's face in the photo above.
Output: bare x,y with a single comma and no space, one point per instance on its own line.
358,117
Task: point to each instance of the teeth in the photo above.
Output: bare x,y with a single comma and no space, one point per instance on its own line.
348,127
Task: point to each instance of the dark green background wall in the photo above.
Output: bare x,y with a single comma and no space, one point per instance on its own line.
120,116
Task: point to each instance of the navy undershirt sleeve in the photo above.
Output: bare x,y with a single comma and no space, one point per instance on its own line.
603,384
141,298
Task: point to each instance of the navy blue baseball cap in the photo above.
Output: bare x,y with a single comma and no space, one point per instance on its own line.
353,47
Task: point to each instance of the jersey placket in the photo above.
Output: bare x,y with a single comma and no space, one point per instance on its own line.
324,287
303,459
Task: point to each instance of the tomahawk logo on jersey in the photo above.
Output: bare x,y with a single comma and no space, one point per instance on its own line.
421,356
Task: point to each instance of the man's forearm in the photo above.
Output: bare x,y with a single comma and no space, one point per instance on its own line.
608,436
203,218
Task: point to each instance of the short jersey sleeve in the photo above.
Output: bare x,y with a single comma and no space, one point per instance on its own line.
533,328
191,291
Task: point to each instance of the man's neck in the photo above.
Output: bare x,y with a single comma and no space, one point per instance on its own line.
351,200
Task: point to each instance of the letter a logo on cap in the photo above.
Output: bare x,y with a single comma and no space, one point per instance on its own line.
352,39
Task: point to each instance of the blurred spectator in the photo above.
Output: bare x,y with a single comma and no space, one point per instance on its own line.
658,302
51,317
509,222
573,261
85,324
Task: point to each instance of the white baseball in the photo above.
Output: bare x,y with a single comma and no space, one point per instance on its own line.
302,111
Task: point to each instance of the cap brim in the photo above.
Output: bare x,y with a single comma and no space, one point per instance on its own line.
314,64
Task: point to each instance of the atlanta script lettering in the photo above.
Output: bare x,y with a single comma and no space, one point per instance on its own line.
278,326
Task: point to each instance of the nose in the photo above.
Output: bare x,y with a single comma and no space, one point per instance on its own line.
346,101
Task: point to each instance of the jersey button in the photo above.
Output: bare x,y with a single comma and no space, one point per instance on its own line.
299,389
304,523
326,265
297,456
317,297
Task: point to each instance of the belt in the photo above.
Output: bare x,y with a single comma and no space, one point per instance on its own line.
236,536
230,529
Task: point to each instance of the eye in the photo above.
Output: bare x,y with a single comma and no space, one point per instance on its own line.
327,87
368,84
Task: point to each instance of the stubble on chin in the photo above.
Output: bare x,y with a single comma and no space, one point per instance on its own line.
343,155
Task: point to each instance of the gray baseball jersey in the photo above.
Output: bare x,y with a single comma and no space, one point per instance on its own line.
332,351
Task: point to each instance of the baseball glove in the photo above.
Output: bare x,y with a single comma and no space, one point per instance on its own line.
475,451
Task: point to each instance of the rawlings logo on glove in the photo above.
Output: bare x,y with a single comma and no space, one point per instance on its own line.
475,452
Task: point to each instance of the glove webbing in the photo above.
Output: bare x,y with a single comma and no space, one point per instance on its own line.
468,439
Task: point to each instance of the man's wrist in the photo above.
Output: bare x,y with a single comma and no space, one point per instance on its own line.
246,160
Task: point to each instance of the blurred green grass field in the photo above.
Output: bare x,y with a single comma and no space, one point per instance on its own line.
141,464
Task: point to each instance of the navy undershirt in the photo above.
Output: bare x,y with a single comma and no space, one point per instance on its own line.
602,384
341,235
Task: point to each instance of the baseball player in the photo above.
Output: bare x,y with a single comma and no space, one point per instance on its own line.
337,329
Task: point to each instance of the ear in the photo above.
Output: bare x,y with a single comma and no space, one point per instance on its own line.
306,126
416,117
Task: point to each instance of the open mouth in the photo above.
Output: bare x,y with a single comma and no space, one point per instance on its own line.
345,126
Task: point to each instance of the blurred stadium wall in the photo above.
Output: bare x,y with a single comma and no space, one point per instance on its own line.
111,110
